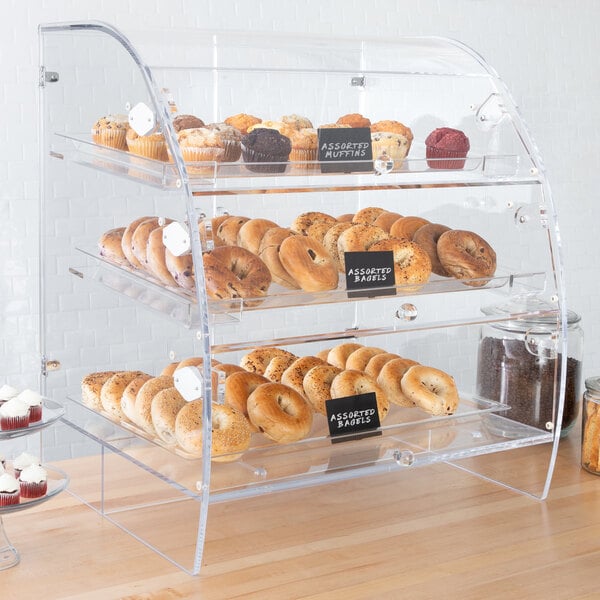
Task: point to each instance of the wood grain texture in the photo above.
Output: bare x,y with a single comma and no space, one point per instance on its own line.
385,537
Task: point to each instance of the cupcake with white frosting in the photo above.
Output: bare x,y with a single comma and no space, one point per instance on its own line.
34,401
23,461
33,482
10,492
7,392
14,414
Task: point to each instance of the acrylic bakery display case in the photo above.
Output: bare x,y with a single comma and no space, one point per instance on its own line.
105,314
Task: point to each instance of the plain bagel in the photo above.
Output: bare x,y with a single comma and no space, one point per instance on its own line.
430,389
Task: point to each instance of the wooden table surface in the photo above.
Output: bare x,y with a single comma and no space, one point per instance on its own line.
364,538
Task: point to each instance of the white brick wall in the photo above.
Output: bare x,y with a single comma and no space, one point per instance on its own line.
547,51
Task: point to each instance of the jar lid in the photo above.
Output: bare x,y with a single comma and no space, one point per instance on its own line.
593,384
547,315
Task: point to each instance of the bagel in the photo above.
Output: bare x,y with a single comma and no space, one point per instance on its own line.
367,216
330,242
126,241
353,383
405,227
293,376
390,379
164,408
322,354
233,272
181,269
307,261
238,386
257,360
251,233
227,231
139,240
142,410
169,369
345,218
91,386
430,389
358,359
317,385
207,228
112,392
359,238
377,362
386,219
303,222
129,395
411,262
277,367
230,431
110,246
156,258
339,354
269,253
318,230
466,255
427,237
280,412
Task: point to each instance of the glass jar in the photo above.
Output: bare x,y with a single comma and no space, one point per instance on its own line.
590,426
519,363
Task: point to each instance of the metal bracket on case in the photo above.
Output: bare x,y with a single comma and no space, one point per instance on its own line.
48,76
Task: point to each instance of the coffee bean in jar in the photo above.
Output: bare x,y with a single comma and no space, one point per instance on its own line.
519,365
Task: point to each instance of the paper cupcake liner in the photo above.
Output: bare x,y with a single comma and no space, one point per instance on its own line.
155,149
113,138
199,155
437,155
395,152
251,156
9,498
35,413
31,489
11,423
233,151
303,158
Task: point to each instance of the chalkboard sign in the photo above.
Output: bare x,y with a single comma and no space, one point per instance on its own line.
368,270
352,414
338,145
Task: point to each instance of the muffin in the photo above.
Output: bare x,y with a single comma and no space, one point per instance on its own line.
265,145
354,120
33,482
152,145
10,493
297,121
305,144
335,126
111,131
229,137
14,414
283,128
23,461
446,148
34,401
242,122
200,145
181,122
394,145
389,126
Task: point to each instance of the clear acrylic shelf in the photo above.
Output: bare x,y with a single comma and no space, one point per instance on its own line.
236,178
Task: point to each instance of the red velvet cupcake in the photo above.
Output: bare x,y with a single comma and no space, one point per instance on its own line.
14,414
10,493
33,482
34,401
446,148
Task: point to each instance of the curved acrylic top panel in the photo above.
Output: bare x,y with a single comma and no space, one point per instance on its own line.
242,50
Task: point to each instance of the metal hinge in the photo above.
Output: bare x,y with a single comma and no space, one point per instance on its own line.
48,76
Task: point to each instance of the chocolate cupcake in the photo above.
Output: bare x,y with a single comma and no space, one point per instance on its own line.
266,146
181,122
